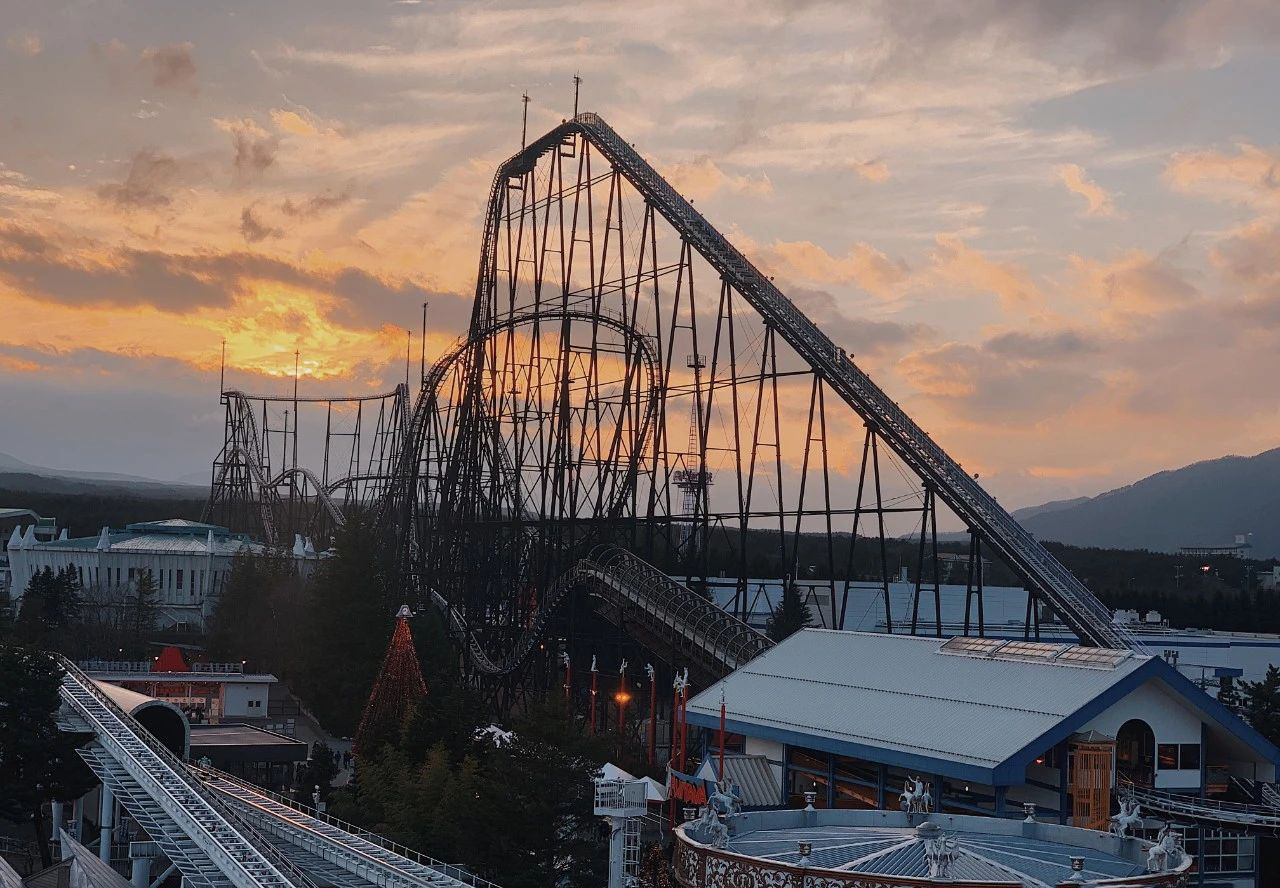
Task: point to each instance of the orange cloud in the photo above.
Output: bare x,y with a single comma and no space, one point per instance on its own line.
1077,182
957,264
863,265
1249,175
701,178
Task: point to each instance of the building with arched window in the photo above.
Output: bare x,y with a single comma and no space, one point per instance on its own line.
991,725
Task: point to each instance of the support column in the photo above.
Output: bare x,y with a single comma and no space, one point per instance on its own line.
617,864
141,873
77,818
882,778
55,830
106,817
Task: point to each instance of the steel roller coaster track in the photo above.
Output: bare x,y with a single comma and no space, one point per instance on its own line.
552,429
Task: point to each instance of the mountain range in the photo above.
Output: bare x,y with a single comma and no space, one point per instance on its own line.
16,474
1203,504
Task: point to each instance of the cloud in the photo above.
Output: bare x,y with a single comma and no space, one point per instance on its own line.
1038,345
1249,175
701,178
1077,182
87,274
26,43
863,265
1137,283
303,123
872,170
314,205
957,264
253,230
172,67
255,148
148,184
858,336
974,385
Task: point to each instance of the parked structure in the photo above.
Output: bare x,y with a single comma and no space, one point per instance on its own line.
189,562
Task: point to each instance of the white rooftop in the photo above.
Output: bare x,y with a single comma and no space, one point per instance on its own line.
965,701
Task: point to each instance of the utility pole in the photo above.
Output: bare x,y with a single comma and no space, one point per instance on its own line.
408,349
577,82
222,370
423,371
524,123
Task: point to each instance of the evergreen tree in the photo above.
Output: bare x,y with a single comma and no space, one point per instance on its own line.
347,623
258,616
1261,701
790,615
38,762
50,608
141,610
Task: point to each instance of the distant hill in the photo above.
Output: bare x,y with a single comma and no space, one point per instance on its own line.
15,474
1206,503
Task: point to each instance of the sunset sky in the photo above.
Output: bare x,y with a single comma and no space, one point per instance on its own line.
1051,230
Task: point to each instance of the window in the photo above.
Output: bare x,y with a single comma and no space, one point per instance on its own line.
1189,756
133,574
1168,757
179,580
1223,852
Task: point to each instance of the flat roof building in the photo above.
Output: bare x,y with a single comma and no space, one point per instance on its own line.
189,562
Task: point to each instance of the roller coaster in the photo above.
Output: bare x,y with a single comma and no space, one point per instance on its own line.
634,400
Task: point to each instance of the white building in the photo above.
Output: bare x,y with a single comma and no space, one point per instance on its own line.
991,725
188,561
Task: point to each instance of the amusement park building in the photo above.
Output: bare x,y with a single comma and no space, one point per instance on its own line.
990,724
189,562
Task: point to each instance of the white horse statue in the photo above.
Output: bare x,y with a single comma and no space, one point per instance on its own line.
709,830
1166,854
1129,817
915,797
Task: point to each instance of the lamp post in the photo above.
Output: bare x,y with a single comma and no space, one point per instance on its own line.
594,691
653,712
622,698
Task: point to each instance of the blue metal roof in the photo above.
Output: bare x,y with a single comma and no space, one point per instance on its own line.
968,712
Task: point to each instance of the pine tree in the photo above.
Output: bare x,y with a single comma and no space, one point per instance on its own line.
141,610
1262,704
38,762
50,608
790,616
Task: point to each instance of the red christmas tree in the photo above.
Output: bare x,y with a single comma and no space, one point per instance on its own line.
397,691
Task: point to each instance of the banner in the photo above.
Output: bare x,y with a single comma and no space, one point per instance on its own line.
686,787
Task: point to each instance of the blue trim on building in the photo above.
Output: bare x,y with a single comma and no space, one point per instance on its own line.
894,758
1012,771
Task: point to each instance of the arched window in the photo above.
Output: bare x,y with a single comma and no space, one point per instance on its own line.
1136,752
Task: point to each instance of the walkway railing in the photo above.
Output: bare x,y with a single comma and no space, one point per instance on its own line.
376,849
245,858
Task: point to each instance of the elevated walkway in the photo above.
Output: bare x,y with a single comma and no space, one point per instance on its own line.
1255,819
222,833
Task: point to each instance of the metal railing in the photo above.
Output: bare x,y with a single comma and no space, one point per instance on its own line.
1231,814
263,801
693,625
246,858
